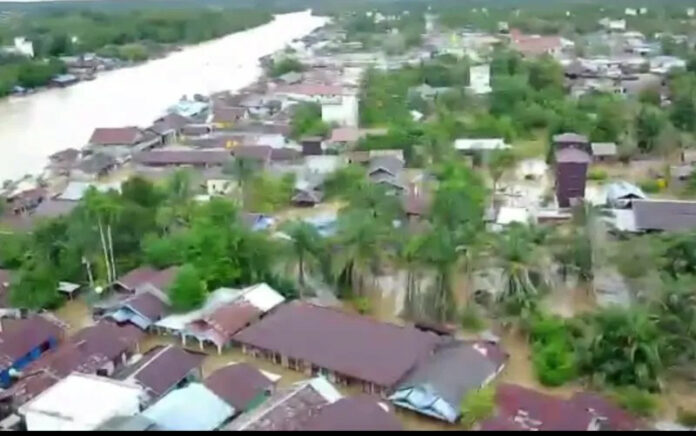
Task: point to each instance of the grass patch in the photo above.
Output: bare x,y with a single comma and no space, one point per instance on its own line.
650,186
471,319
597,174
636,401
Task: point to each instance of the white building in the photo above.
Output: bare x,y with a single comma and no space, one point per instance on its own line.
663,64
480,144
690,12
81,402
343,111
21,46
631,12
615,25
643,11
480,79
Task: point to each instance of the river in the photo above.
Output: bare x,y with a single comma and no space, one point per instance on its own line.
35,126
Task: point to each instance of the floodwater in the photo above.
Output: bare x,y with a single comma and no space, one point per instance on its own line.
33,127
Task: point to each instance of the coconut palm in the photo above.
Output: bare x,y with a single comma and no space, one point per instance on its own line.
523,268
243,169
360,241
304,244
674,312
409,257
439,250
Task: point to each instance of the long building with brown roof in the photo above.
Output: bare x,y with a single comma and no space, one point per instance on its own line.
350,349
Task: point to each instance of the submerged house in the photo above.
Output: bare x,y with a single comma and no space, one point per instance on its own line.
22,341
141,310
437,387
348,349
162,369
664,215
191,408
620,195
119,142
571,175
241,385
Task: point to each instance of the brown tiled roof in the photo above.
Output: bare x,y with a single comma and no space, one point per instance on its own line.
285,154
521,408
534,44
227,114
670,215
345,134
148,305
359,413
23,336
165,368
115,136
161,279
352,345
230,318
182,157
614,417
570,138
173,121
308,89
238,384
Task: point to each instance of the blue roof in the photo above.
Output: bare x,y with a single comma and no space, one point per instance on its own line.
191,408
424,400
128,314
188,108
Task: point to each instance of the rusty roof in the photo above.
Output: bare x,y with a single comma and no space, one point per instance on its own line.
147,305
238,384
116,136
25,335
231,318
160,279
670,215
359,413
258,152
572,155
164,367
352,345
182,157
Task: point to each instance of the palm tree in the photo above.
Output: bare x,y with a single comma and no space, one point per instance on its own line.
588,234
304,245
361,240
522,268
409,256
674,312
440,252
103,209
499,162
243,169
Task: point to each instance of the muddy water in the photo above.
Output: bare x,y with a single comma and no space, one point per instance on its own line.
35,126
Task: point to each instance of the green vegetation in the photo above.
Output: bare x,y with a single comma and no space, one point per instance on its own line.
188,290
478,405
650,186
636,401
597,174
306,121
687,418
553,351
284,66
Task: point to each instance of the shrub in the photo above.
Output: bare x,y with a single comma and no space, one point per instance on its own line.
687,418
554,360
477,406
471,319
597,174
636,401
362,305
650,186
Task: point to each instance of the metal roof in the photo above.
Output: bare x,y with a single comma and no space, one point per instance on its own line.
191,408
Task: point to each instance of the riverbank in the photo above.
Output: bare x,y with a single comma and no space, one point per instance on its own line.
36,126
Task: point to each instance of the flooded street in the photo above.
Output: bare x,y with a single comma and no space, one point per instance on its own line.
33,127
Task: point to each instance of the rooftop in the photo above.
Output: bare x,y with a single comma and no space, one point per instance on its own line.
191,408
352,345
670,215
238,384
115,136
359,413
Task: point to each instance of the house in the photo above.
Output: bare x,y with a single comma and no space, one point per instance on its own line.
256,221
620,195
163,369
119,142
61,162
288,409
571,140
189,108
306,197
480,79
257,153
664,215
311,145
225,117
191,408
22,341
63,80
145,278
688,156
240,385
387,170
170,127
349,349
604,151
316,93
142,310
190,158
81,402
341,112
93,167
535,45
520,408
76,190
24,201
196,130
225,312
127,423
571,175
344,137
664,64
358,413
437,387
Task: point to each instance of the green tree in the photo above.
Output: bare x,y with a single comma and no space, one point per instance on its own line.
477,406
500,162
545,73
440,252
243,169
648,124
188,290
306,121
286,65
304,247
36,288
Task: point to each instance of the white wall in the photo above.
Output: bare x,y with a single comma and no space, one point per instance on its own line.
42,422
344,114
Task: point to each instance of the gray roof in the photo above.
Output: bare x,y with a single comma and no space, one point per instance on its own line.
127,423
437,387
569,138
568,155
672,215
97,163
390,164
603,149
623,190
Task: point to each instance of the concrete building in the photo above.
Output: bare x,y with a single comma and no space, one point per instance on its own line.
81,402
480,79
343,111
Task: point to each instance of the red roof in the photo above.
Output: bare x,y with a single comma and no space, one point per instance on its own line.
345,134
23,336
165,368
147,305
525,409
613,417
359,413
238,384
230,318
572,155
115,136
534,44
160,279
351,345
